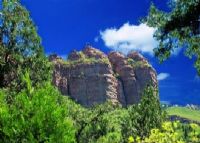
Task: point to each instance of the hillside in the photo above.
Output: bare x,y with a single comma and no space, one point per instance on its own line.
184,112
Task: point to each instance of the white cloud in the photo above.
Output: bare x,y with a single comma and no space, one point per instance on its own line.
162,76
130,37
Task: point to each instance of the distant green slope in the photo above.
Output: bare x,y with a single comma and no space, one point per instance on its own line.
184,112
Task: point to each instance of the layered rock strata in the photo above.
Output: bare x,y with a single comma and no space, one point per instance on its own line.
91,77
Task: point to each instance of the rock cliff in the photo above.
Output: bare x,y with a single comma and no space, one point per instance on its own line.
92,77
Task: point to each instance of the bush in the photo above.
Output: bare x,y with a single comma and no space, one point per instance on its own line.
138,64
172,132
84,60
35,116
99,124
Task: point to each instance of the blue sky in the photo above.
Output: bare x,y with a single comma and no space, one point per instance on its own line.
65,25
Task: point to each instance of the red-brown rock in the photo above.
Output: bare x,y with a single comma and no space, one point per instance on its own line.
98,77
91,52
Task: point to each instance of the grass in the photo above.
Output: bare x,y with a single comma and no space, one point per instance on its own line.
137,64
83,59
86,60
184,112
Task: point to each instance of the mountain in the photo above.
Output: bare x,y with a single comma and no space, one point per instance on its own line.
91,77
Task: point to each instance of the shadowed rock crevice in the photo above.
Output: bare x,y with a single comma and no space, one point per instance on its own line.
91,77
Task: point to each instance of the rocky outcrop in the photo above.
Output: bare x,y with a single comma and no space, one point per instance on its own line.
91,77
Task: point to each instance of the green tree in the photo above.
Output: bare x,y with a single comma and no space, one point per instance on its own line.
179,28
144,116
97,124
20,47
35,115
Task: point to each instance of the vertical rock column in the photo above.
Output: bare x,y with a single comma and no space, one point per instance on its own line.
126,76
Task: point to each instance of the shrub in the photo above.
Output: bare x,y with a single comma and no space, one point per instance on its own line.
138,64
35,115
99,124
172,132
84,60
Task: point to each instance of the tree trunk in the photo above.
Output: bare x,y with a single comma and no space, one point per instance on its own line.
1,78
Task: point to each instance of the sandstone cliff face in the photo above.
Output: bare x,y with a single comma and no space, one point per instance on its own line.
91,77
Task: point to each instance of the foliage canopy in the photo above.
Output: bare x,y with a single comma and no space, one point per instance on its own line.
20,47
177,29
35,115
